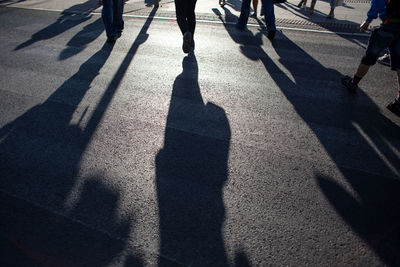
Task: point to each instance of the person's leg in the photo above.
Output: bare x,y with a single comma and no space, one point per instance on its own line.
311,9
118,20
180,15
360,73
244,15
191,15
331,14
302,3
185,13
269,17
107,15
379,40
255,4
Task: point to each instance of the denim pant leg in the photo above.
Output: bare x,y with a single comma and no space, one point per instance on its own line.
333,3
269,14
118,11
108,17
244,14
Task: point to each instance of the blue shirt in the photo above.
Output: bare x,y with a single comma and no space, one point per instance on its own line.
378,8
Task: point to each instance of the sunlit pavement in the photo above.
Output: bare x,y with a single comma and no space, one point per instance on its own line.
243,153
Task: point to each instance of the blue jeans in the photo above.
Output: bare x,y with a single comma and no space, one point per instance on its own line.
112,17
269,14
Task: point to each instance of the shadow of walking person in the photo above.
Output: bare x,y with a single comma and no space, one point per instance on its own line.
366,156
82,39
191,170
92,235
51,211
359,139
43,143
39,164
69,18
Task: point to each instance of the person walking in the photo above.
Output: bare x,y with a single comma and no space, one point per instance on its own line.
387,35
303,4
331,15
268,8
186,19
112,18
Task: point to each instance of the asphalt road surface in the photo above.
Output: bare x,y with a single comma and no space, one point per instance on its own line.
244,153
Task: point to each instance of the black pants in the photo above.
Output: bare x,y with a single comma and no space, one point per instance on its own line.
185,15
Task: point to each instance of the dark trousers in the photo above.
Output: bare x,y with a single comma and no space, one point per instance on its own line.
185,15
112,16
267,6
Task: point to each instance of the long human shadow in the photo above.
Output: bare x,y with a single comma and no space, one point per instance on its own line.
67,20
341,27
40,157
82,39
40,154
191,170
366,156
367,161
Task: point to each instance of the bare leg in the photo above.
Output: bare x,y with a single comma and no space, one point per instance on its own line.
255,4
311,9
331,13
362,70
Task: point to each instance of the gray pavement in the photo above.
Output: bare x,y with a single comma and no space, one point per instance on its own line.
245,153
347,17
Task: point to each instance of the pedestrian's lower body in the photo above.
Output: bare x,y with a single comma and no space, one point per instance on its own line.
386,36
186,19
268,8
331,14
112,18
303,3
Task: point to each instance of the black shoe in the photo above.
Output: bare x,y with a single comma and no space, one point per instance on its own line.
394,107
271,35
187,42
347,81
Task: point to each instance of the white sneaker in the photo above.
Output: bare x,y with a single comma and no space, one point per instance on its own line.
385,59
